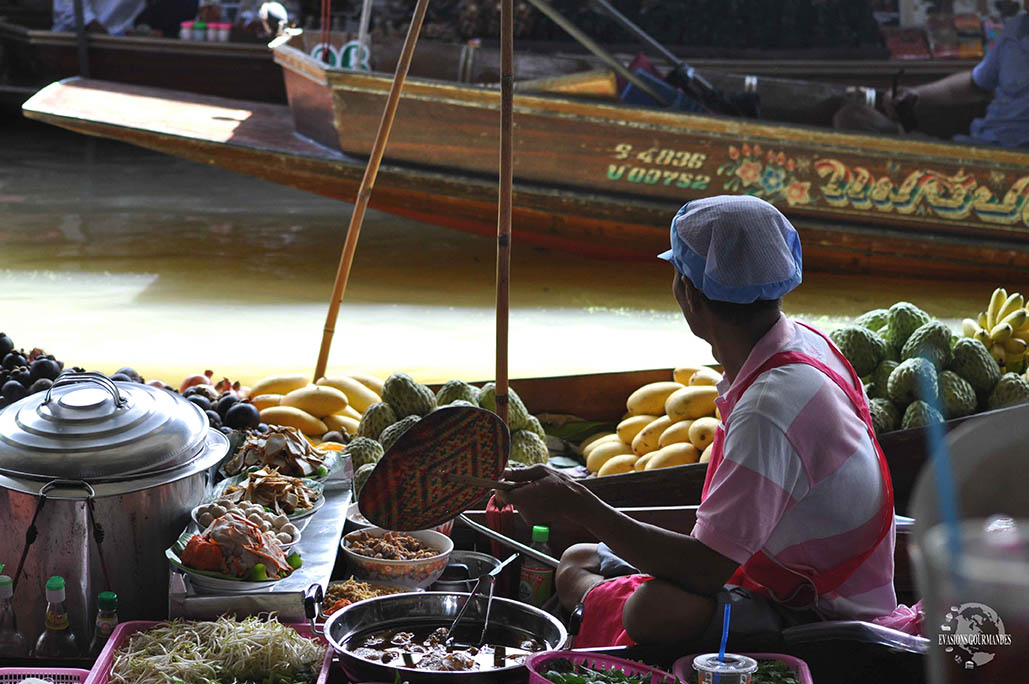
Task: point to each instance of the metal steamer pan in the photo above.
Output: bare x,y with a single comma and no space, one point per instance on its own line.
508,620
140,454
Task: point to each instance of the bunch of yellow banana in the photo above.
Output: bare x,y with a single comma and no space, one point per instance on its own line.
1003,328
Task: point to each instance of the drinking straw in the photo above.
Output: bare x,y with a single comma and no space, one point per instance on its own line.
946,490
725,637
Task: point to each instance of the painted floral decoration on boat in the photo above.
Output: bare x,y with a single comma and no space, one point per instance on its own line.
767,174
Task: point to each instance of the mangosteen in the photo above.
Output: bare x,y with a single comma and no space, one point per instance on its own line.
263,427
121,377
214,418
242,415
226,402
14,390
44,368
6,345
226,429
22,375
13,359
133,375
334,436
200,400
40,385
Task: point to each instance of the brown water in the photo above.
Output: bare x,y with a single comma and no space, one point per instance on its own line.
111,255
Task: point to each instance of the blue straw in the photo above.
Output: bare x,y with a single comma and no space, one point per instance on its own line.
725,638
946,490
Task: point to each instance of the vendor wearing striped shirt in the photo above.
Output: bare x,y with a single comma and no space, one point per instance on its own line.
796,519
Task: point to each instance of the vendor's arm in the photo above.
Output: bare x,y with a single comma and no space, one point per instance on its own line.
550,496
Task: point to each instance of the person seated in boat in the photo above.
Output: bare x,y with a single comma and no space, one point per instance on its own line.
1003,75
796,520
115,17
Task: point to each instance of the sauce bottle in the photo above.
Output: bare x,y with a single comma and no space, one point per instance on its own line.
536,583
12,642
57,639
106,621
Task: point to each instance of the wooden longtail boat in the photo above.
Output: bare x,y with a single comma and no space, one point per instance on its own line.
36,56
592,176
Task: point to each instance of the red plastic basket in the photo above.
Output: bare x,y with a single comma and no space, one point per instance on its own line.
57,675
102,667
683,667
537,662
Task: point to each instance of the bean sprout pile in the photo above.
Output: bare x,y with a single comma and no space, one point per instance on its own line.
221,652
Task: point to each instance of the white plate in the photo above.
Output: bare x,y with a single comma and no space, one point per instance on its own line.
285,547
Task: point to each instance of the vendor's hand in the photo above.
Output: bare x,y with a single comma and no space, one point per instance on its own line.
892,105
95,27
544,495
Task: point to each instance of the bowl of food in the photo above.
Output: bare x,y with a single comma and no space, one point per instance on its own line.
278,525
405,559
397,638
339,595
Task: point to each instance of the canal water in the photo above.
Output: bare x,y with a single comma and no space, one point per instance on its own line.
112,255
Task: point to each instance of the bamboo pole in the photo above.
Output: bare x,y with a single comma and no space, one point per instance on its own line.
504,208
367,183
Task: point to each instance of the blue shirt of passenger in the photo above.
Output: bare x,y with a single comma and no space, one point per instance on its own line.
1005,73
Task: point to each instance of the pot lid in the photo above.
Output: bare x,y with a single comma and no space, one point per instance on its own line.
409,488
88,427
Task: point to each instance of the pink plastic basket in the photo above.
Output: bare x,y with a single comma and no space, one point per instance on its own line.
537,664
683,667
57,675
102,667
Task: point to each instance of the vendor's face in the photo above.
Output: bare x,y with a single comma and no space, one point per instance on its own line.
680,288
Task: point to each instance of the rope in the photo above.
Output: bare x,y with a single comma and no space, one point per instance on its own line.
30,537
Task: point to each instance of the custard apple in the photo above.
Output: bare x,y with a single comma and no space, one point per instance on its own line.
376,418
972,361
529,448
363,450
407,397
517,415
874,319
920,414
391,434
454,390
862,347
904,319
911,380
1011,389
957,398
361,476
881,376
885,416
930,341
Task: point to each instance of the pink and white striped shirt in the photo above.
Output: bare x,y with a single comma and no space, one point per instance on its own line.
800,479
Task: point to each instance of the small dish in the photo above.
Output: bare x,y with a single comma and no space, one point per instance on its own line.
417,573
193,514
205,581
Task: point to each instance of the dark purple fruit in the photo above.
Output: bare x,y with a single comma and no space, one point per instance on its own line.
226,402
133,375
263,427
334,436
14,390
242,415
22,375
40,385
12,360
44,368
6,345
214,418
200,400
121,377
226,429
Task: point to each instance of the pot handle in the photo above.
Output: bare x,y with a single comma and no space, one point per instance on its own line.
69,484
73,378
313,598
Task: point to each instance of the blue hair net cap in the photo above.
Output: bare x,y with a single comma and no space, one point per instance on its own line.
735,248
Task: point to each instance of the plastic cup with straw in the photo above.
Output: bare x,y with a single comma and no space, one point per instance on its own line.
723,668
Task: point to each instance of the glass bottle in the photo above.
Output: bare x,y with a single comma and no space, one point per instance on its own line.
106,621
57,639
13,643
536,582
